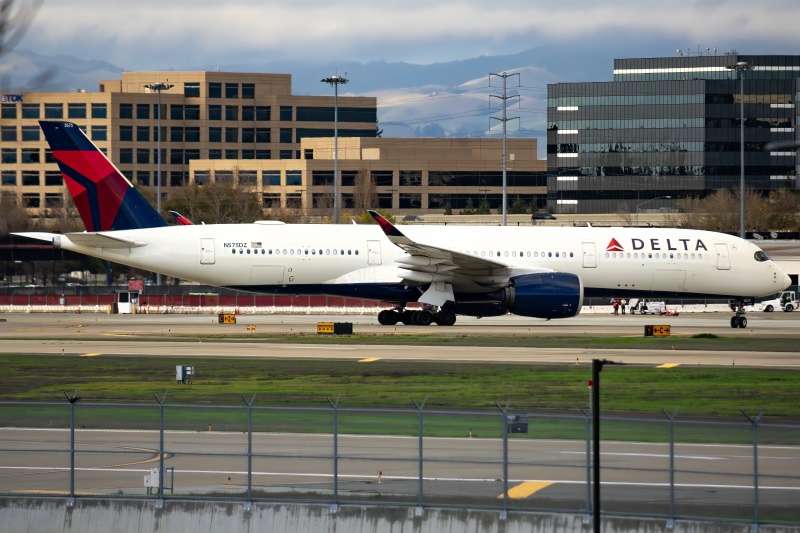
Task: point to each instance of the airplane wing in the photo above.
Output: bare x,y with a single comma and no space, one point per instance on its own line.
93,240
433,264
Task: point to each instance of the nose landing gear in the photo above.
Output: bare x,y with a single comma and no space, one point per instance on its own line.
738,320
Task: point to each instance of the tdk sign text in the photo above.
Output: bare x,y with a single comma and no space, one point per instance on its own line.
10,98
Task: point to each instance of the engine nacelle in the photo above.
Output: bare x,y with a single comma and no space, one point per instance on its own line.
545,295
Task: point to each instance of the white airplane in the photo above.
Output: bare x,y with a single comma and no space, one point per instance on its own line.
541,272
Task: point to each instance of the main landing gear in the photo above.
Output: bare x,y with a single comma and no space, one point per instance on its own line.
738,320
424,317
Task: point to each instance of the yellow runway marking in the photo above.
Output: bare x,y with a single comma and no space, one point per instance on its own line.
668,365
90,354
369,360
525,489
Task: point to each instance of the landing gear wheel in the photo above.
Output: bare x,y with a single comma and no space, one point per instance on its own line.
738,322
742,322
390,318
734,321
406,317
423,318
381,317
445,318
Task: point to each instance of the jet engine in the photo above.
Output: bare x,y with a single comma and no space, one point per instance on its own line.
544,295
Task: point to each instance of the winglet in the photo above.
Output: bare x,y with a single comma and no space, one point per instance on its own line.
180,219
388,228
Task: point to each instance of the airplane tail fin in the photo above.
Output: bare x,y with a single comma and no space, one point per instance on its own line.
105,199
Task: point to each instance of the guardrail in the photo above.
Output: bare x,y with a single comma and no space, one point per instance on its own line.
744,470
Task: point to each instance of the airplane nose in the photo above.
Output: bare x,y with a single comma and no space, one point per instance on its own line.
786,280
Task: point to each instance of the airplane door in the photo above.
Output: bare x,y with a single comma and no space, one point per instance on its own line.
373,252
723,260
589,257
207,251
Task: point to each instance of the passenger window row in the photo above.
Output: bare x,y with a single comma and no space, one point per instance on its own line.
291,251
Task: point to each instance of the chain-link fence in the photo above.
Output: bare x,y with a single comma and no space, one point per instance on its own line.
665,465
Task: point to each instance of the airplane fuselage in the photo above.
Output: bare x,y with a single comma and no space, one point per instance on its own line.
357,260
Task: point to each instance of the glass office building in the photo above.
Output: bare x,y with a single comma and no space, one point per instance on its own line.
670,127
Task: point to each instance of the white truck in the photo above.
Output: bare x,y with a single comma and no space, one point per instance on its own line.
645,307
786,301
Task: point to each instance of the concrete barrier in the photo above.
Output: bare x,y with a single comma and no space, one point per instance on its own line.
46,515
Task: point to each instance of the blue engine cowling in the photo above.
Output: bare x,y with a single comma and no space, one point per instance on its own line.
545,295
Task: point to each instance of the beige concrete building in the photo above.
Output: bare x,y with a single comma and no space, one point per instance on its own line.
205,115
410,175
251,129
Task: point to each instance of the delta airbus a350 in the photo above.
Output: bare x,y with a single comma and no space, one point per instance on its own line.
540,272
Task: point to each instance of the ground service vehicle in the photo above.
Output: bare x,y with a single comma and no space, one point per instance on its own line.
786,301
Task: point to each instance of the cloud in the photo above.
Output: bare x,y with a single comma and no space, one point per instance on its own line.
156,34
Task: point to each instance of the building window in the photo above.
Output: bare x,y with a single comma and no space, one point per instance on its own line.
30,133
410,178
30,155
125,110
248,177
126,156
231,135
126,133
53,178
285,154
76,110
410,200
176,134
232,154
191,89
308,153
215,153
201,177
248,154
53,110
294,199
176,112
249,90
248,135
382,178
99,133
263,135
8,133
215,90
99,111
215,135
231,112
192,112
294,177
270,178
143,111
176,156
52,200
263,154
270,200
263,112
143,156
321,178
215,112
193,135
231,90
48,156
178,178
248,113
32,200
30,178
143,177
286,136
143,133
191,154
30,110
9,155
8,111
10,178
286,112
223,176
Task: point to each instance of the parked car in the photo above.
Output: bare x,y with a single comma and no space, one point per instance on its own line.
542,215
412,218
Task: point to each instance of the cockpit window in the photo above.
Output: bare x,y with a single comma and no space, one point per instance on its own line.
761,256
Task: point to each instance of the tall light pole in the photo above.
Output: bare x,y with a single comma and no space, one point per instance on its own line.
158,87
335,81
647,202
740,68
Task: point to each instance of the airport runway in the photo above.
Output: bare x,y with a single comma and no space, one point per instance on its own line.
167,335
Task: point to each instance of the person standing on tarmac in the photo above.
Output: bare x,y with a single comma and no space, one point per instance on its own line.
622,304
615,303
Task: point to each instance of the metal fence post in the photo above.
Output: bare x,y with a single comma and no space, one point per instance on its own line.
754,424
418,510
160,500
248,505
335,505
671,418
587,517
72,401
504,411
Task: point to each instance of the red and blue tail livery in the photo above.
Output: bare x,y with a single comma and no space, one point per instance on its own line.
105,199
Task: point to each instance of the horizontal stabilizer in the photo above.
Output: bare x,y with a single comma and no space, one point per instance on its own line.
38,235
102,240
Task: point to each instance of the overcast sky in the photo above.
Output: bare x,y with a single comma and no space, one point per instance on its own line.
159,34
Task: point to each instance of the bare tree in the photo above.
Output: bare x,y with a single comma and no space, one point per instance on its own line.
623,211
366,192
219,202
64,216
14,217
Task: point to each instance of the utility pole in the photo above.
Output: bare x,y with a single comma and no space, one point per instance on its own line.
505,98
